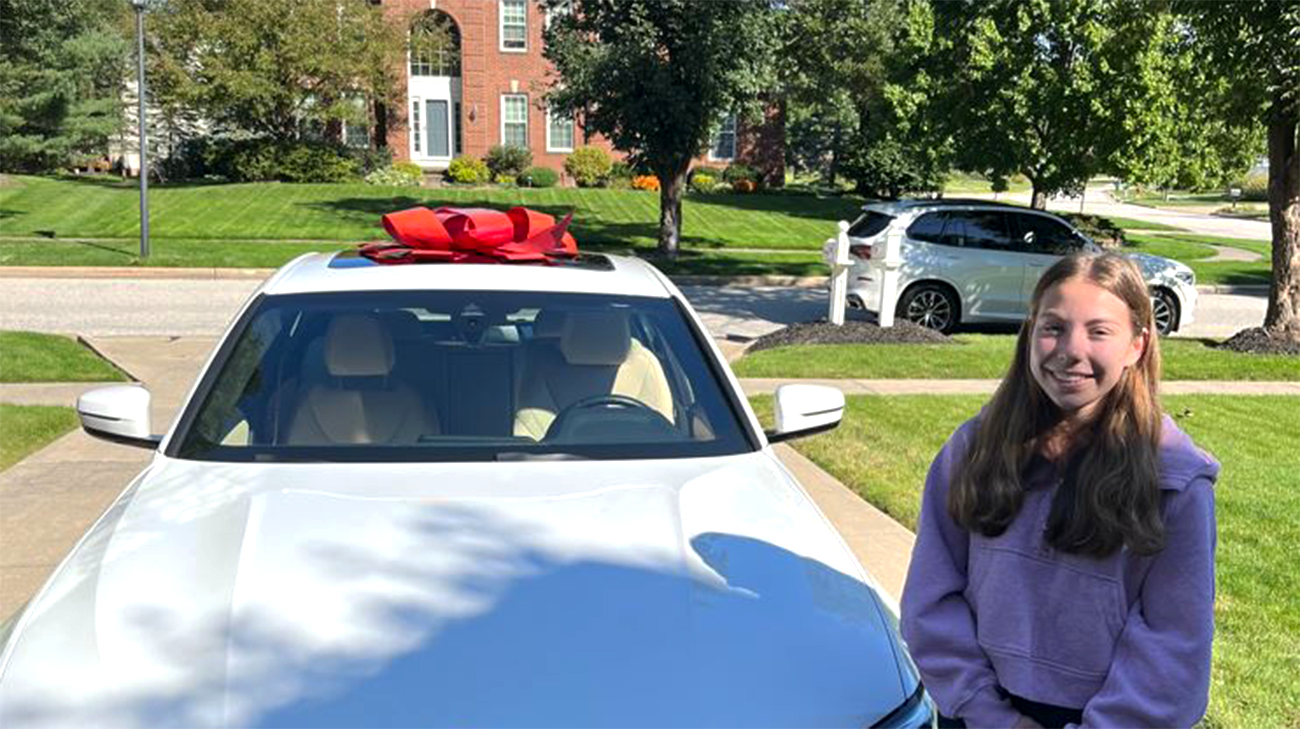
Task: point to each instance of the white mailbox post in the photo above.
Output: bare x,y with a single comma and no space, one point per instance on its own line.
889,252
836,253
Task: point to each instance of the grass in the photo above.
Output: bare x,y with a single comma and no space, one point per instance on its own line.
961,182
1191,249
32,357
885,445
46,208
1134,224
25,429
987,356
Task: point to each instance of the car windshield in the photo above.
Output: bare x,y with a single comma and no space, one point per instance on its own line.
460,375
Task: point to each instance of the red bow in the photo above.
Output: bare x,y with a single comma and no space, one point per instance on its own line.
473,235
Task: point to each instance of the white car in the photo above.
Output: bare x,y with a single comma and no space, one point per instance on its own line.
451,495
975,261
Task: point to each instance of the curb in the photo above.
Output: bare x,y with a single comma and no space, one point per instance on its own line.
127,272
1243,289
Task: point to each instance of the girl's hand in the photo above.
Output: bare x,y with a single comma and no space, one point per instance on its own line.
1025,722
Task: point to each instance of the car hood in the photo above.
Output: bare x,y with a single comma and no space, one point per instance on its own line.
655,593
1157,267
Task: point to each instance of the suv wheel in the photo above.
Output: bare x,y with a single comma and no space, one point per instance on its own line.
1164,307
930,305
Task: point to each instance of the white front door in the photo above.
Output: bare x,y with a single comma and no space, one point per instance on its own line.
433,111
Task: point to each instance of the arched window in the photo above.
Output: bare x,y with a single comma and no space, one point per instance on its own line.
435,45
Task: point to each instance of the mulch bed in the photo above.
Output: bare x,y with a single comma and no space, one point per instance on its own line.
1257,340
852,332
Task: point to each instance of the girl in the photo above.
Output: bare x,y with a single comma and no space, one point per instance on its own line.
1063,571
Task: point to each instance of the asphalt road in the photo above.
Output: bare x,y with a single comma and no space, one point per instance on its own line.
191,307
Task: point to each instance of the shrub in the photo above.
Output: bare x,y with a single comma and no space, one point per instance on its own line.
588,166
1254,188
621,171
1100,229
701,182
645,182
744,186
506,180
402,174
316,162
250,161
737,172
369,160
715,173
468,171
508,161
539,177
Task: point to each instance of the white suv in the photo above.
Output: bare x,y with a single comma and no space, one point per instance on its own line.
969,261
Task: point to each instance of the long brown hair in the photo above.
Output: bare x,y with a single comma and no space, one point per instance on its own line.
1110,495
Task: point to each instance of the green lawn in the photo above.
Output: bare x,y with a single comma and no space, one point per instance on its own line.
34,207
32,357
885,445
961,182
985,356
25,429
1190,249
1135,224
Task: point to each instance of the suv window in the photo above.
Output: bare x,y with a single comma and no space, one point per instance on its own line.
1041,234
928,228
978,229
869,225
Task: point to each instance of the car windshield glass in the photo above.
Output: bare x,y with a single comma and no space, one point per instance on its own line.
870,224
463,375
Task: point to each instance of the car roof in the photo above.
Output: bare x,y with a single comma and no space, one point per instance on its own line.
900,206
346,271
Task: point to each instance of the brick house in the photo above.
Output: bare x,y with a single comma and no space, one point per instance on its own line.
488,90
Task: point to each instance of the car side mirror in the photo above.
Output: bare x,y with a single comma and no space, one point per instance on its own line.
119,414
803,410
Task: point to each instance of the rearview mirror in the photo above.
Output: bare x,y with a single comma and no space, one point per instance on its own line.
119,414
805,410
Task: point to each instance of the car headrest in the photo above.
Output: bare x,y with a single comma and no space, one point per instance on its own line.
595,338
358,345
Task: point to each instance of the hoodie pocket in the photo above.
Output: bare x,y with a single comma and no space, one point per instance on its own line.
1045,610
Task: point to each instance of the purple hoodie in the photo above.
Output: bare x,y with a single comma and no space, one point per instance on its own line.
1124,638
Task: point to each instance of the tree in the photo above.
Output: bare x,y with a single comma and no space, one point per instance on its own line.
655,77
62,63
1254,49
1039,87
833,53
275,69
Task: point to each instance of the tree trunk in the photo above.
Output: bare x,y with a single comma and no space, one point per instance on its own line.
1039,199
671,185
1283,317
836,143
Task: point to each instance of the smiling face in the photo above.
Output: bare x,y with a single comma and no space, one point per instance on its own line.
1082,341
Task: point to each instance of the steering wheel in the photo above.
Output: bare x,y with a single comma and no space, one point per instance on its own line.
610,401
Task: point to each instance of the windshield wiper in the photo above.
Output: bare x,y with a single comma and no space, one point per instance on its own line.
534,456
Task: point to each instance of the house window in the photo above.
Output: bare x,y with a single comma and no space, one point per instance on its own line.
723,144
559,132
435,46
514,25
415,124
514,120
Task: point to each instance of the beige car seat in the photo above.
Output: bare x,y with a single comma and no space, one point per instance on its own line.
358,402
596,355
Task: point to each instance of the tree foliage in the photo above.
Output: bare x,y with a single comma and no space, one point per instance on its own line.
1252,48
62,64
275,69
656,76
